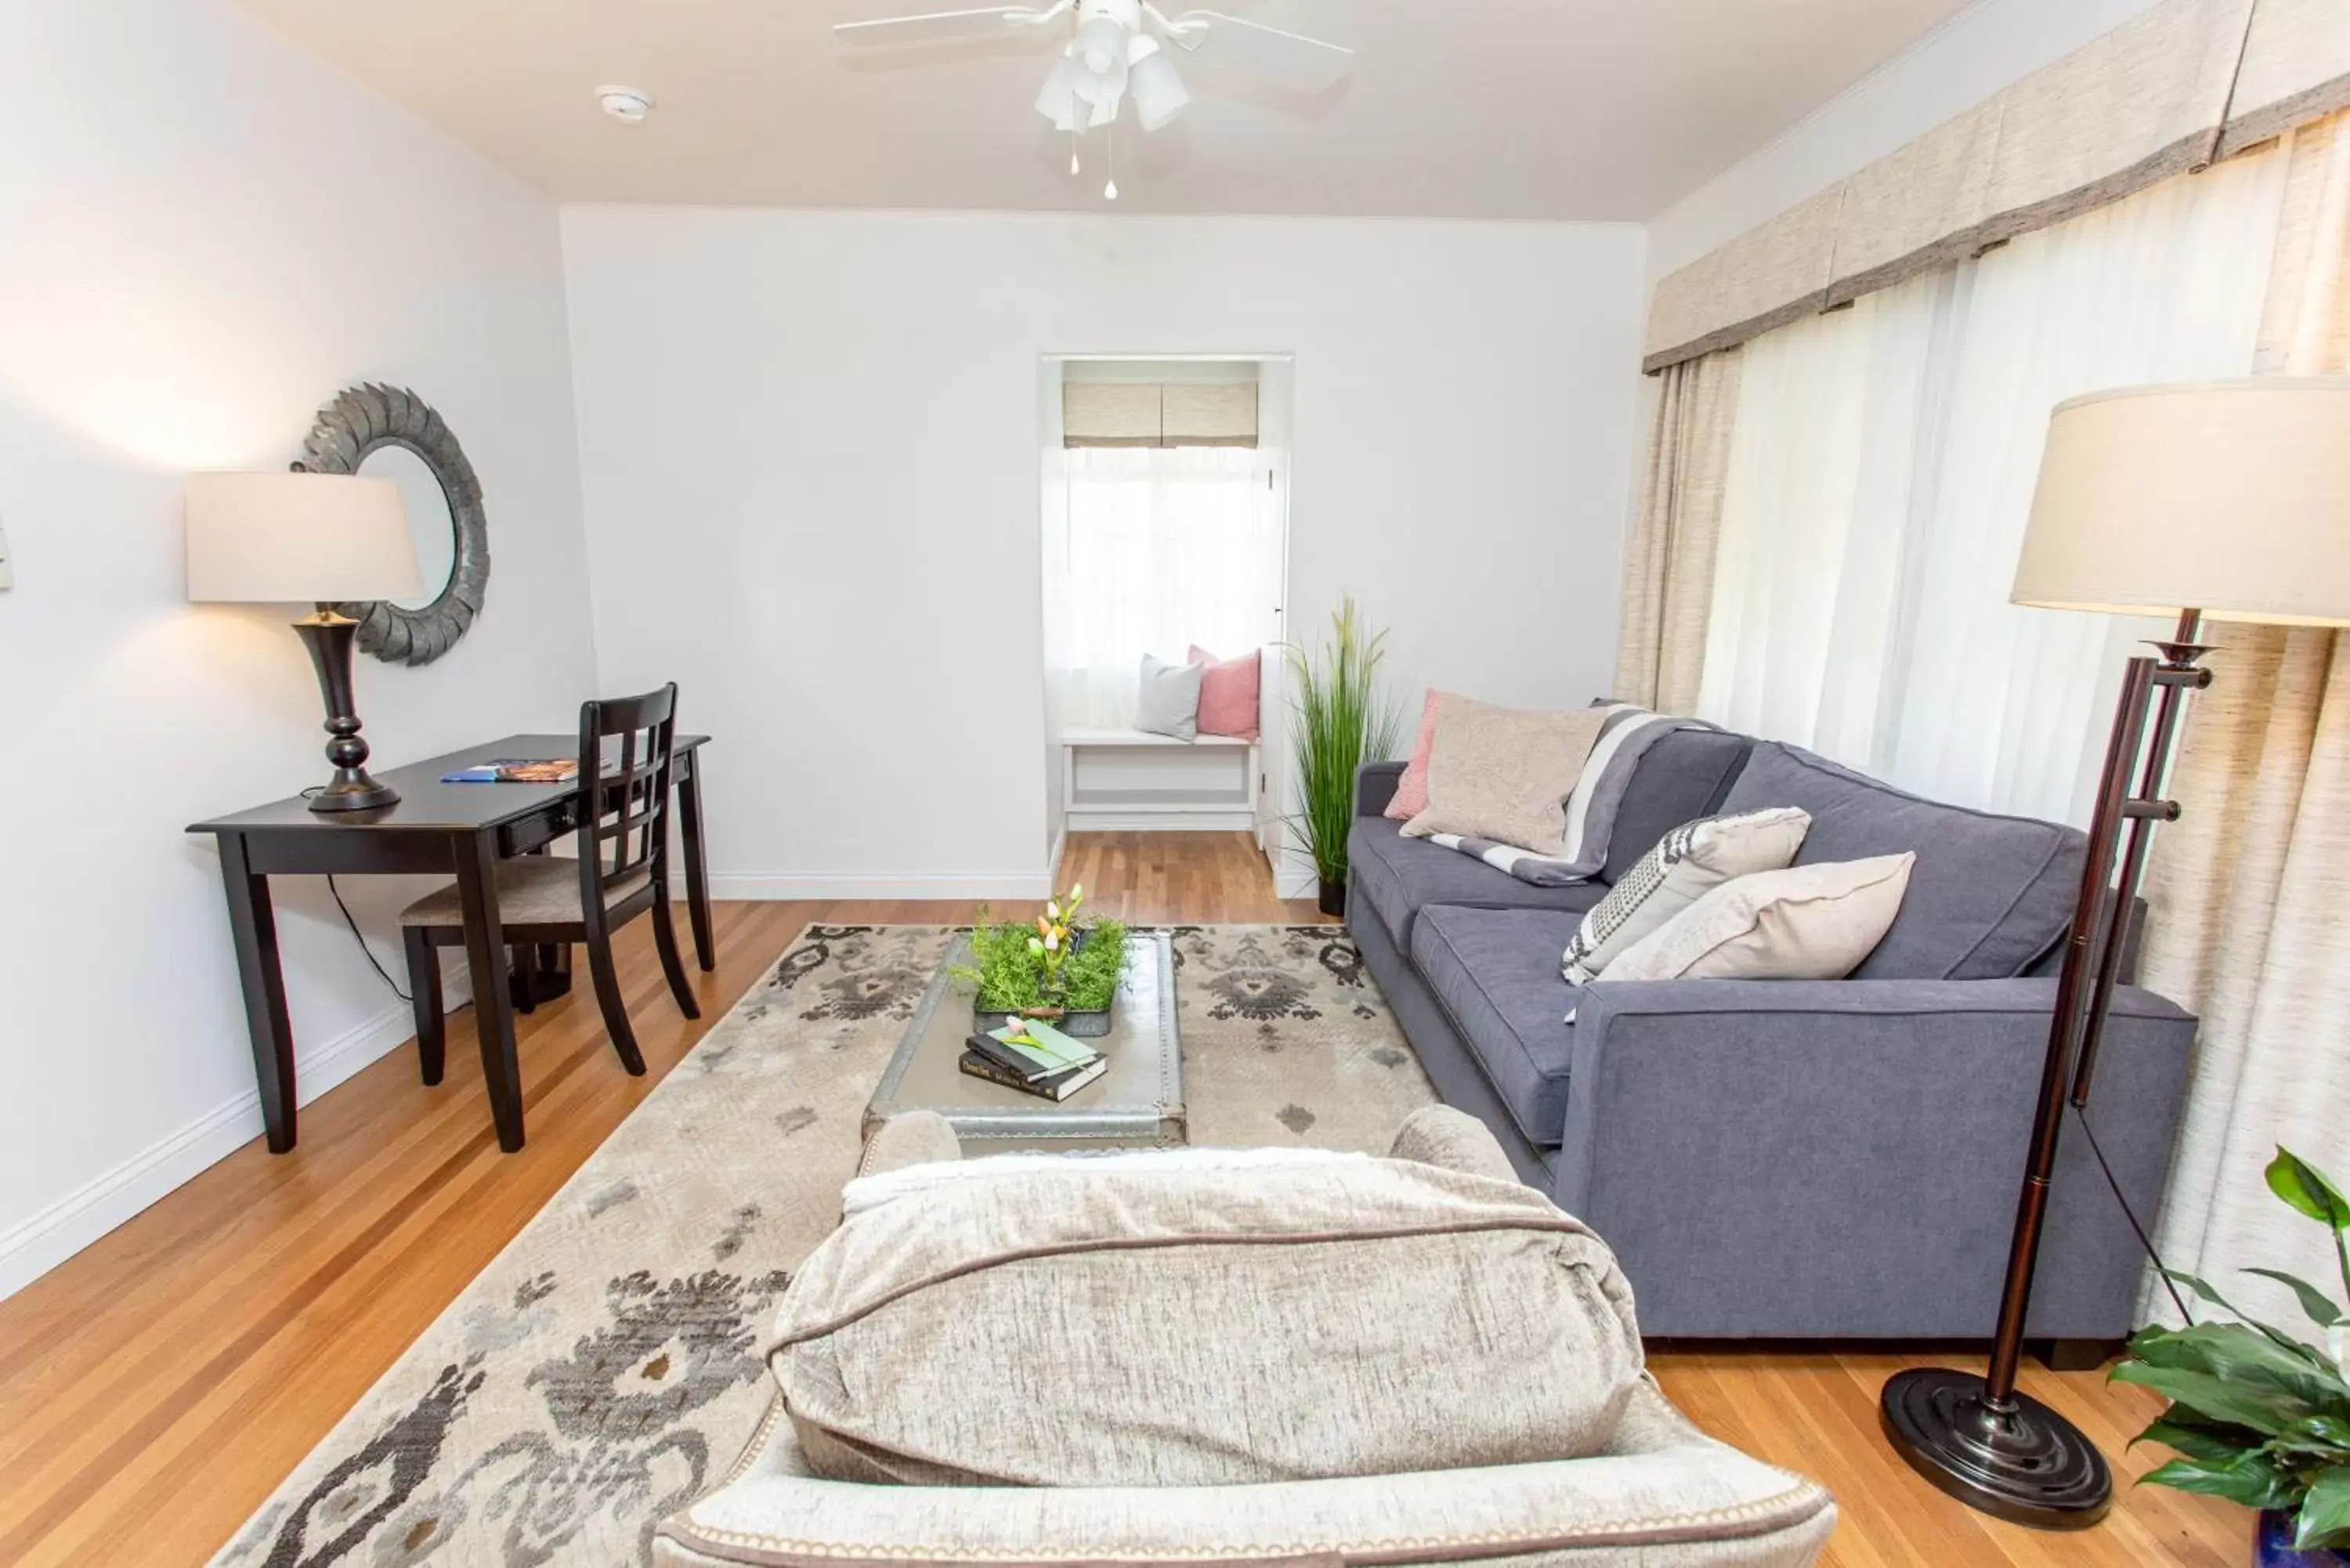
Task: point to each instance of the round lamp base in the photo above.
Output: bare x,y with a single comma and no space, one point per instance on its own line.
2021,1462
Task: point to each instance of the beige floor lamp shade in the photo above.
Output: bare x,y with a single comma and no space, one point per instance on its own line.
2231,497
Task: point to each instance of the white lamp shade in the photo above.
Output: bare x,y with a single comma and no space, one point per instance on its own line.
1058,101
1159,93
1101,45
2230,497
298,539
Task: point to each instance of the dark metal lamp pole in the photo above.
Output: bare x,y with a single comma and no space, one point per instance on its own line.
328,636
1979,1438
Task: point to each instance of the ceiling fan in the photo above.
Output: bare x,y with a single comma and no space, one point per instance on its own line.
1113,50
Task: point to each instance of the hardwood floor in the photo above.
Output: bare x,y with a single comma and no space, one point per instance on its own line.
154,1389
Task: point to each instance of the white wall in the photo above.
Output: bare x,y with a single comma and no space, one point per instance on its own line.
809,449
1983,48
204,233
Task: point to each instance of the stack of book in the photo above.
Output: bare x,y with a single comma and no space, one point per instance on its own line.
1035,1058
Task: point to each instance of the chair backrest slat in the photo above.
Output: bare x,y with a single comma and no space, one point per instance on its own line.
624,806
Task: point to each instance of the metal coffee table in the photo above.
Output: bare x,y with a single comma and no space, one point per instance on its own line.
1139,1102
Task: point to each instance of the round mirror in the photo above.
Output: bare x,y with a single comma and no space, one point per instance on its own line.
389,433
430,520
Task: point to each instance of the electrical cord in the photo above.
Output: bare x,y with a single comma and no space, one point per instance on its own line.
366,951
2162,1271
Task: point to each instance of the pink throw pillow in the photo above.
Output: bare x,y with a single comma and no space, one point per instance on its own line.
1411,790
1228,694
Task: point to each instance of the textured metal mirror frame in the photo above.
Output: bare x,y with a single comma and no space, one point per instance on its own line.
358,422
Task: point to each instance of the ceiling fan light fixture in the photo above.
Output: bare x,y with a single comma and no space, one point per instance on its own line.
1101,43
1099,88
1159,93
1058,101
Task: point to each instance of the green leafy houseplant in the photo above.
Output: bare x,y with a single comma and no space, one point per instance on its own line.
2259,1415
1045,967
1340,722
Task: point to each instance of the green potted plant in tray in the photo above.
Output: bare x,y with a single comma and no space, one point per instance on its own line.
1054,968
2259,1415
1341,722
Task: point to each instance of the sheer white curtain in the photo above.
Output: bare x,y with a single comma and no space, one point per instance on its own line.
1882,469
1168,546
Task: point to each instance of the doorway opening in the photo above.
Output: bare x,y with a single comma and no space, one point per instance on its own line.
1166,528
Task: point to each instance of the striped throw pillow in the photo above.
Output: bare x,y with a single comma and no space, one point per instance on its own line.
1690,862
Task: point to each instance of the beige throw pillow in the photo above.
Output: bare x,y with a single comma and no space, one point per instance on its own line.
1153,1323
1806,922
1504,774
1687,863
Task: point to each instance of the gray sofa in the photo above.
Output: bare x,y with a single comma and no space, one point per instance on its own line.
1795,1159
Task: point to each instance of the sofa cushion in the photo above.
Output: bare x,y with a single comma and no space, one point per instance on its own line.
1399,877
1085,1323
1989,894
1682,776
1496,972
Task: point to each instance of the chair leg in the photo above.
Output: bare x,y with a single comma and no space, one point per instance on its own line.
524,977
424,991
665,940
608,998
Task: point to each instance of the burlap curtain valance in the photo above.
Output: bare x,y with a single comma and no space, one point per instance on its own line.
2176,88
1178,413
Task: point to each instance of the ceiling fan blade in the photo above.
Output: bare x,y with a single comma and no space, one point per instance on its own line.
1184,29
933,24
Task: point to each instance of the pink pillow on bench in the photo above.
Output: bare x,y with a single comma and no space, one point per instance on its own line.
1411,790
1228,694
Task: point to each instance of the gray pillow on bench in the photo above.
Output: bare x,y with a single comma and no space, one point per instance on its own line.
1169,700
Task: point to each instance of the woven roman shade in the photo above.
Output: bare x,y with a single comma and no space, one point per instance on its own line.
2172,89
1178,413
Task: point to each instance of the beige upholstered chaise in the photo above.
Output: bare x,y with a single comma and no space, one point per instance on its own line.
1661,1494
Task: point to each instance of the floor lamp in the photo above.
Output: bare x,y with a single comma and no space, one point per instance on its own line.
2225,502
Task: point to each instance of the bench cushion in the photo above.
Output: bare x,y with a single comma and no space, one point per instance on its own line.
1988,896
1399,877
1497,973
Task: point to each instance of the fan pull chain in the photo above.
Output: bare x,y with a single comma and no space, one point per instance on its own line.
1109,138
1072,154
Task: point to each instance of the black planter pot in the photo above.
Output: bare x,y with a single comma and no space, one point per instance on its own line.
1333,896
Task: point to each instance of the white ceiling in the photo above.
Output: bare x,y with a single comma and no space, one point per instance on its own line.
1474,108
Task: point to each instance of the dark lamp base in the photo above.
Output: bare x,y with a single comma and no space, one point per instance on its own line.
2025,1463
328,638
359,793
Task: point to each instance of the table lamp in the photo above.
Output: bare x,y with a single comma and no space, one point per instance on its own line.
320,538
2229,500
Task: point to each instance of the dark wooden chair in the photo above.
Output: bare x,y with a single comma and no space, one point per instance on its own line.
622,872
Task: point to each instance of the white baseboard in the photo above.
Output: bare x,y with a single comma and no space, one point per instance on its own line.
1096,820
1293,884
790,885
41,1241
1053,861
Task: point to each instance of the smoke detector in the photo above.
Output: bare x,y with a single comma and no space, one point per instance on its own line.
625,104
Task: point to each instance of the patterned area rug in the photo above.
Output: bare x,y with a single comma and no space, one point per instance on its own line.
603,1370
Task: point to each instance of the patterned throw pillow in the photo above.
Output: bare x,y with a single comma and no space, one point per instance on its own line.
1689,863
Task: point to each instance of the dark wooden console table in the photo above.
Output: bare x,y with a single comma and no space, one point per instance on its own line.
450,828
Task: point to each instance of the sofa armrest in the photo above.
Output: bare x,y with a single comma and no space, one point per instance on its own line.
1375,786
1833,1153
